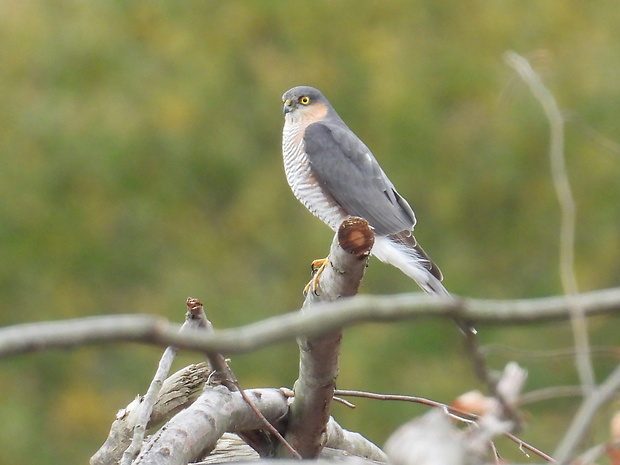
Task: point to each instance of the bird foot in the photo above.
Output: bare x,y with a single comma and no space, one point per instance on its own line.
318,266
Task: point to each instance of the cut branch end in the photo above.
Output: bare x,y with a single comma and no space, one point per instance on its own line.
356,236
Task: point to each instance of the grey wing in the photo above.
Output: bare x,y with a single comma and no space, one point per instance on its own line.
348,171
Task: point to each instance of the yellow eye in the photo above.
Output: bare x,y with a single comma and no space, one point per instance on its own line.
305,100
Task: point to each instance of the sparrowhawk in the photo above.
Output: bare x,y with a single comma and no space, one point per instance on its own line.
334,174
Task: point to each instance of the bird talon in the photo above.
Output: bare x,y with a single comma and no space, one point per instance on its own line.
317,266
313,286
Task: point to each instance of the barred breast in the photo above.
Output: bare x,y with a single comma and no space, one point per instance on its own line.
304,184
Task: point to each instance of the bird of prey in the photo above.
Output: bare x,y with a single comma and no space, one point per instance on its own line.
334,174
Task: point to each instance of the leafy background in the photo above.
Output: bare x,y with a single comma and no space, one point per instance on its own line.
140,164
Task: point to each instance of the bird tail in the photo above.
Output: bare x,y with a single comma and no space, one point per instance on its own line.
402,251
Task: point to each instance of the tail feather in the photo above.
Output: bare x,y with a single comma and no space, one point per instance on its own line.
408,239
402,251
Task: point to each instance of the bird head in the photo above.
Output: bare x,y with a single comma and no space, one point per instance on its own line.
305,103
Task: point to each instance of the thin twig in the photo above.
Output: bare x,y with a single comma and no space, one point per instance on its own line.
601,140
553,354
404,398
524,445
459,414
476,355
344,402
568,215
552,392
146,405
496,457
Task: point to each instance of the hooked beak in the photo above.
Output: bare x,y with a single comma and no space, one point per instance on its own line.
288,106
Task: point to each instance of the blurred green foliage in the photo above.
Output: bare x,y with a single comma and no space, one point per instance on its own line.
140,148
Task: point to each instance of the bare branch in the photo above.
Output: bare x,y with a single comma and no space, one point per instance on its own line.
318,364
194,318
588,409
353,443
568,216
153,330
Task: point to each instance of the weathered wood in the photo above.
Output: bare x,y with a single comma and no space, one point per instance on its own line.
341,446
194,432
178,391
